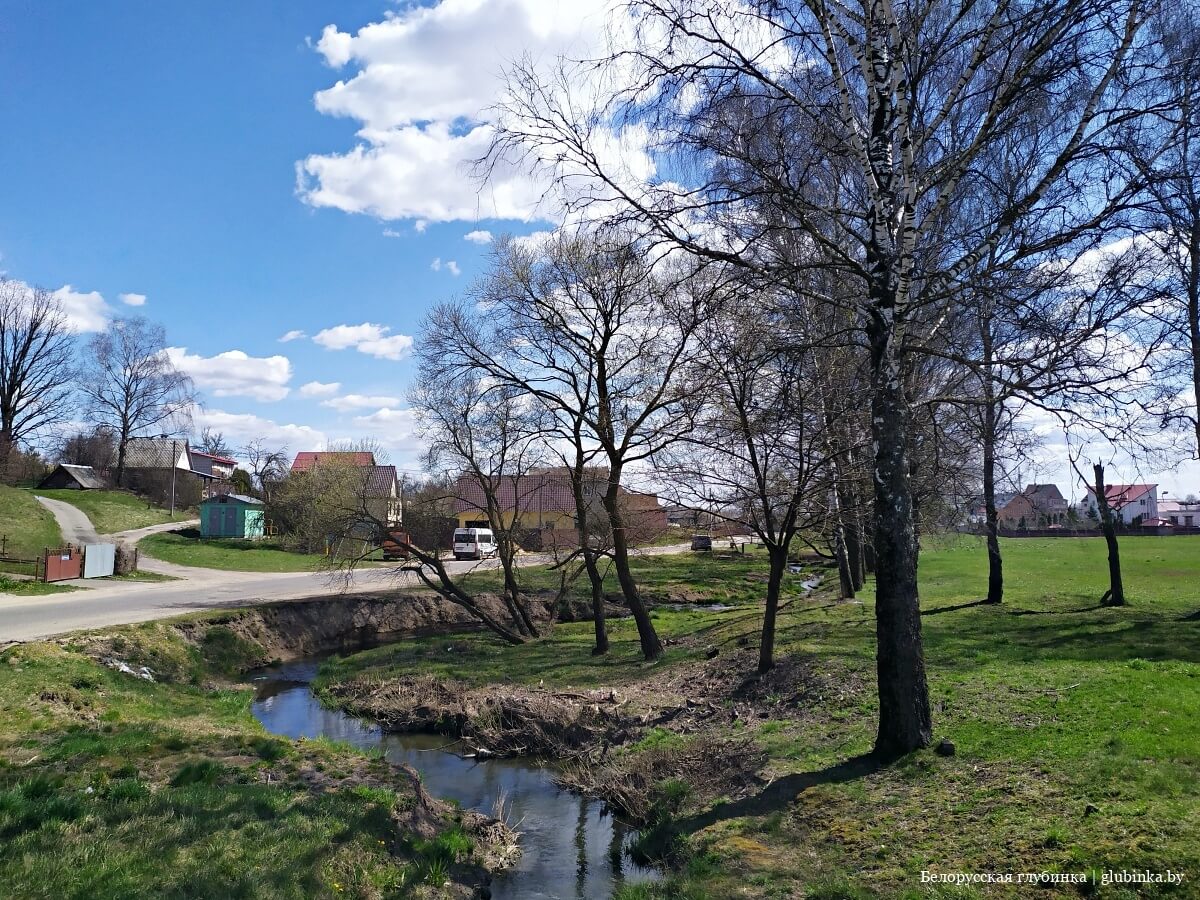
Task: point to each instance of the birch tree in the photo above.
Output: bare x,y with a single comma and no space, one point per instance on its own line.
860,127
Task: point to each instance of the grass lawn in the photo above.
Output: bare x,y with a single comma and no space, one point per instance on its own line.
116,787
187,548
24,588
1077,728
113,511
27,525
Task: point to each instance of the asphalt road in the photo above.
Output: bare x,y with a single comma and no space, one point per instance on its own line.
126,602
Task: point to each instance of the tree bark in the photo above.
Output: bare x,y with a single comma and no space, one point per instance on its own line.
991,518
777,555
905,720
1115,595
651,646
589,558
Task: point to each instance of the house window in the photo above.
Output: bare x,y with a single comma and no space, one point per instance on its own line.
1142,501
1187,520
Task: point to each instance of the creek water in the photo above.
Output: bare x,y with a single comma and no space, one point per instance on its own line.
571,849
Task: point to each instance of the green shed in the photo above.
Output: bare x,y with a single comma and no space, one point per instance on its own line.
231,515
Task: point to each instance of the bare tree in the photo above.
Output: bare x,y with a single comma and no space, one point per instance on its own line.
213,442
857,128
486,438
754,454
1115,595
1170,159
131,385
36,353
597,335
268,465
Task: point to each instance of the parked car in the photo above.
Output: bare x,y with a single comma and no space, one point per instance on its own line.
474,543
702,542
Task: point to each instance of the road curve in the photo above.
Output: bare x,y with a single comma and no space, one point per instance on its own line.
74,524
127,602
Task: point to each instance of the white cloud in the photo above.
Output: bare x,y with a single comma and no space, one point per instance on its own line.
392,232
420,225
236,374
133,299
478,237
425,80
241,428
374,340
358,401
320,389
389,418
84,312
292,335
450,266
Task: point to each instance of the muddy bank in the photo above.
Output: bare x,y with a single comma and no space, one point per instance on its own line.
225,644
617,744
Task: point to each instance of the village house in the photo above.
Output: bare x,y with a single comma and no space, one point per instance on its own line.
1131,504
379,487
1038,506
541,505
1180,513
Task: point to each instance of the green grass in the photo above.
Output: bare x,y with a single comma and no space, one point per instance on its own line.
113,511
1077,728
27,526
25,588
187,548
114,787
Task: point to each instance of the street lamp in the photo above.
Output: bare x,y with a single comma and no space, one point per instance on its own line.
174,461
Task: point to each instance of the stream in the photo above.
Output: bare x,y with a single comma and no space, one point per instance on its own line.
571,849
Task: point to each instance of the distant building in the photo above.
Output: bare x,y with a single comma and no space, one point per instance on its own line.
74,478
232,515
1038,506
542,504
380,484
1129,503
1180,513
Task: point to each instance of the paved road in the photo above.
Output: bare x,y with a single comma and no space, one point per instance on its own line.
121,603
76,527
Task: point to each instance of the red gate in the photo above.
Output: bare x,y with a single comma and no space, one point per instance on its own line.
62,563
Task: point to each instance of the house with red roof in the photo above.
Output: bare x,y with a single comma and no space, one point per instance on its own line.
380,484
541,501
1130,503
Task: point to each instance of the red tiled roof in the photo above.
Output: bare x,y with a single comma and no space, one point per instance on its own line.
1119,495
306,459
544,490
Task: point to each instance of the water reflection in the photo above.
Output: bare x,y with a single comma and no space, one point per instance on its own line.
570,849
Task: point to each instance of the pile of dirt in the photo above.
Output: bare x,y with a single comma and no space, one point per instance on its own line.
512,721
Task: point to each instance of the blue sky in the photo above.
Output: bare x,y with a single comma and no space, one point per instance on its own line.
152,150
247,171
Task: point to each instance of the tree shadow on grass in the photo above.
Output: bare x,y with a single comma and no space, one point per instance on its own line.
783,791
1055,612
946,609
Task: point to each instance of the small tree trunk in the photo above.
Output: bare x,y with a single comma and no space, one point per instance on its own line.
778,565
845,578
991,518
598,617
1115,595
651,646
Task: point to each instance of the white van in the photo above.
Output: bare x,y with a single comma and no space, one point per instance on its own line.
474,543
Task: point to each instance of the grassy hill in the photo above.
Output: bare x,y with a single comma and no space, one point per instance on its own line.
112,511
26,524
